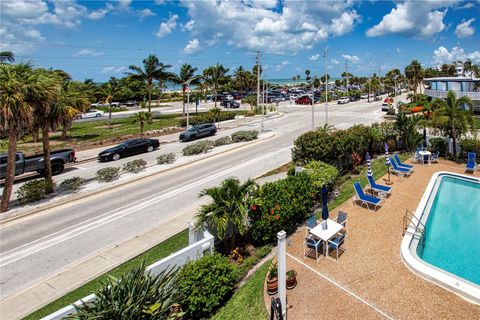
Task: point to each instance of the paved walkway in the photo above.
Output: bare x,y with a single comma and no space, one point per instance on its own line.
370,280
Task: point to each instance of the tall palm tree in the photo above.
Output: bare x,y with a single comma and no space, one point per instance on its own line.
109,91
7,57
17,84
449,113
228,211
307,75
467,66
152,69
407,127
74,99
414,74
294,78
43,102
215,76
142,118
241,78
185,77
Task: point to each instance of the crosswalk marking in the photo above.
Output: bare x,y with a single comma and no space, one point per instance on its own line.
352,114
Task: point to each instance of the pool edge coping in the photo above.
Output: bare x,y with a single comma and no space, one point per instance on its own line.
464,289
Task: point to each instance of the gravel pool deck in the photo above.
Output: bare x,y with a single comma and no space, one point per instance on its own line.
370,280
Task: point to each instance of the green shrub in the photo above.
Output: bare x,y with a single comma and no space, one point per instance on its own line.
135,166
32,191
208,118
321,173
135,295
198,147
281,205
391,112
166,158
469,145
241,136
438,144
205,284
250,113
223,141
72,184
108,174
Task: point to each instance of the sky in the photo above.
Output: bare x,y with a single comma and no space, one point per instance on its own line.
100,39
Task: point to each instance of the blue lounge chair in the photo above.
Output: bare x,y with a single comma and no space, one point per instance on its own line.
400,170
400,164
471,164
364,198
342,218
434,157
382,190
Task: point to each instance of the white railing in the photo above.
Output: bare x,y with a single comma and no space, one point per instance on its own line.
204,242
443,94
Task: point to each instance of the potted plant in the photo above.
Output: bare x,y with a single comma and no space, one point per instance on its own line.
272,279
291,279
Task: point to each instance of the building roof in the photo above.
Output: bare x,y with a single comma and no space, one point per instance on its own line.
452,79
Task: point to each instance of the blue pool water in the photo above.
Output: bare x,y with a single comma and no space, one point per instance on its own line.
452,241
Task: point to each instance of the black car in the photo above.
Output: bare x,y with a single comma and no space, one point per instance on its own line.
128,148
230,104
198,131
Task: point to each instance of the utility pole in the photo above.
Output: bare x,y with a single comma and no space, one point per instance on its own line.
326,86
313,111
258,85
346,67
369,81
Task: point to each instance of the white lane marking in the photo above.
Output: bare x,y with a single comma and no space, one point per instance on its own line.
93,223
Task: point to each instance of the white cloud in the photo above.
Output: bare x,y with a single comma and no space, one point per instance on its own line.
280,66
159,2
334,61
167,27
98,14
113,69
146,13
442,55
88,52
419,19
465,29
259,25
352,59
192,46
19,31
188,26
315,57
398,50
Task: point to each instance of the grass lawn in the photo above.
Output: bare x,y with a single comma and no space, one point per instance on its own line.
247,302
346,189
156,253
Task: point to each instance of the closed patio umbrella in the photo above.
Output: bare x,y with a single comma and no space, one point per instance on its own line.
369,168
325,205
387,161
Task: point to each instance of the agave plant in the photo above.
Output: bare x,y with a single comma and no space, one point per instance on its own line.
135,295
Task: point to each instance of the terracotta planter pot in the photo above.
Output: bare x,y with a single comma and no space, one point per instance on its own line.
292,281
272,286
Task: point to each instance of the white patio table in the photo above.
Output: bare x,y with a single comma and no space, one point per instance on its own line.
424,154
326,234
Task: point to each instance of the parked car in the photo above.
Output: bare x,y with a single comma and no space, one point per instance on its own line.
364,96
129,148
92,113
385,107
230,104
24,164
198,131
343,100
354,98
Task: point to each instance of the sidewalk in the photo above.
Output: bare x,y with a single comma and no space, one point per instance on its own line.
90,154
48,290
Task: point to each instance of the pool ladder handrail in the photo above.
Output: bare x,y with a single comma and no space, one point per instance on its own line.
407,219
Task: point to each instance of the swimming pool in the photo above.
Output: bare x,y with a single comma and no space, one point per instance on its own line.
448,251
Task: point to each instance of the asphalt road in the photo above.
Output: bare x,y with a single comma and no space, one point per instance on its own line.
37,247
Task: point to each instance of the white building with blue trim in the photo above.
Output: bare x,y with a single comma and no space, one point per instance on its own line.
462,86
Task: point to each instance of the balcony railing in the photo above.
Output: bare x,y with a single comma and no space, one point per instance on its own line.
443,94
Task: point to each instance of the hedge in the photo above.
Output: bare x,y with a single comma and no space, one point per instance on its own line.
207,118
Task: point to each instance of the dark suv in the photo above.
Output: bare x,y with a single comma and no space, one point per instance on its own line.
198,131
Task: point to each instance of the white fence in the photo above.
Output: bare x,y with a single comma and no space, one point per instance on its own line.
199,242
443,94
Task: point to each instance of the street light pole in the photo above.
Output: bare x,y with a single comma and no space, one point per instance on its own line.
258,85
188,104
313,110
326,87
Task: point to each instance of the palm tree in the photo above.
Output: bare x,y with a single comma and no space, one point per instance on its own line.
407,127
448,113
414,74
109,91
294,78
227,214
17,84
142,118
185,78
326,128
152,69
241,78
43,102
6,57
307,75
75,98
467,66
215,76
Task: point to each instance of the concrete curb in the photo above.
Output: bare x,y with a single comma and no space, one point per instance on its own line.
120,184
